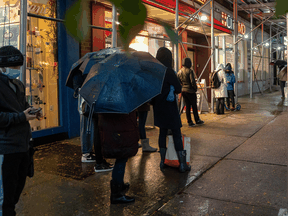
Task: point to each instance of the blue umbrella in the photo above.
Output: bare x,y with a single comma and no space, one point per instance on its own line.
121,83
85,63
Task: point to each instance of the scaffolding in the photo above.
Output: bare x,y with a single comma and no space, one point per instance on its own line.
237,6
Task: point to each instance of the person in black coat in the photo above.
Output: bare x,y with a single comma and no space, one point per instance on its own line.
15,131
166,114
189,89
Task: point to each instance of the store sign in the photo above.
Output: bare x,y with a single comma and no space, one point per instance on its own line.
36,9
227,21
108,25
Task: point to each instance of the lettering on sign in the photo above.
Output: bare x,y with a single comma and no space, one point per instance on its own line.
227,21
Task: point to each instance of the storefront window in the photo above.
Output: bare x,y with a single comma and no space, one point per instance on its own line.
42,64
9,23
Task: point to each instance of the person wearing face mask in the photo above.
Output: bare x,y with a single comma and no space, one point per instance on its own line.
15,131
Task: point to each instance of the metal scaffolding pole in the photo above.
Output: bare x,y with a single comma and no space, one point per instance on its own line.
270,38
235,13
114,27
23,30
262,54
212,52
251,50
176,51
270,59
224,49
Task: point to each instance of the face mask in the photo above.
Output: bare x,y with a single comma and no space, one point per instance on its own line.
12,73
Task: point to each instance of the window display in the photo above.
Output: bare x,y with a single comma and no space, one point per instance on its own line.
42,65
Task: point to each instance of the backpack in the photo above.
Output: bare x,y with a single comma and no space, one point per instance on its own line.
214,80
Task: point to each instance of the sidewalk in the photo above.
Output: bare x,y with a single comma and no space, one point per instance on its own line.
238,168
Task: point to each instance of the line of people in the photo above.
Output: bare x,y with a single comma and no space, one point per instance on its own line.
166,117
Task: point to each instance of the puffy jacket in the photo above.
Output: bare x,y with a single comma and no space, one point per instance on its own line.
221,92
186,77
15,131
283,74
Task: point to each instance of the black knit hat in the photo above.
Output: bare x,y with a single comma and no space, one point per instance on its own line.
10,57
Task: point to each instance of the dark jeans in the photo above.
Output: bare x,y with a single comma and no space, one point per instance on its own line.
220,106
230,96
119,171
191,100
14,173
142,121
177,138
282,85
88,140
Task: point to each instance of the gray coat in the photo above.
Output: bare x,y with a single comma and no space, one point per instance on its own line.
166,114
15,131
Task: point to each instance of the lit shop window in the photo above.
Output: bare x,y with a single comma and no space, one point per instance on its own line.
42,64
140,43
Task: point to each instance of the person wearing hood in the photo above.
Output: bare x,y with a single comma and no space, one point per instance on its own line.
166,114
221,92
230,77
189,89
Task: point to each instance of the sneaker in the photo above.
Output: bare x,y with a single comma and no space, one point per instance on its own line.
88,157
232,109
103,167
191,124
199,122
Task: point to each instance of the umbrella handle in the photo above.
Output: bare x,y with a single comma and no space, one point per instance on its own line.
89,123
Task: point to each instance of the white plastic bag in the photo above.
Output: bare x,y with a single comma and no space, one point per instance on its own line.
171,158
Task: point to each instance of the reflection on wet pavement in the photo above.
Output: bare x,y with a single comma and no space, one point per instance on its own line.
62,159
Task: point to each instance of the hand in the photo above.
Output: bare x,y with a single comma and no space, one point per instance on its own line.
29,116
228,82
39,115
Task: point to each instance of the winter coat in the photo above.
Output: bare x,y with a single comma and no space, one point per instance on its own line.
119,134
166,114
15,131
221,92
230,77
283,74
186,77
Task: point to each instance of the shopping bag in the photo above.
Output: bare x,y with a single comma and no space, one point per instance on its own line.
171,158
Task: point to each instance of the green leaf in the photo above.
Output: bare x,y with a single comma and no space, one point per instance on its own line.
132,18
281,7
76,21
174,37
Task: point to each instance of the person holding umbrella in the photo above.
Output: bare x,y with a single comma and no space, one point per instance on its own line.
166,114
114,89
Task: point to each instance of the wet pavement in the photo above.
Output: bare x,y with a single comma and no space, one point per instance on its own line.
238,168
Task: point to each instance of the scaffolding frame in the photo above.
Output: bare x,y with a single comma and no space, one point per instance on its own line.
273,25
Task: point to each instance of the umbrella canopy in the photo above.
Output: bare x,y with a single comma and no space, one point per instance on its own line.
85,63
121,82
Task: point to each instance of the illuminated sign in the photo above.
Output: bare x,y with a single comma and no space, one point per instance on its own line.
227,21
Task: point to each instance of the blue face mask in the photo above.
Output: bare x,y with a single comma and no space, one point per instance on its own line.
12,73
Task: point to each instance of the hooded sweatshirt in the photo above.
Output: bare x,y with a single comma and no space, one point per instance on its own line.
230,77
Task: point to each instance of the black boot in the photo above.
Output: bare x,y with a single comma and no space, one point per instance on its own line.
182,160
117,194
162,155
125,186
